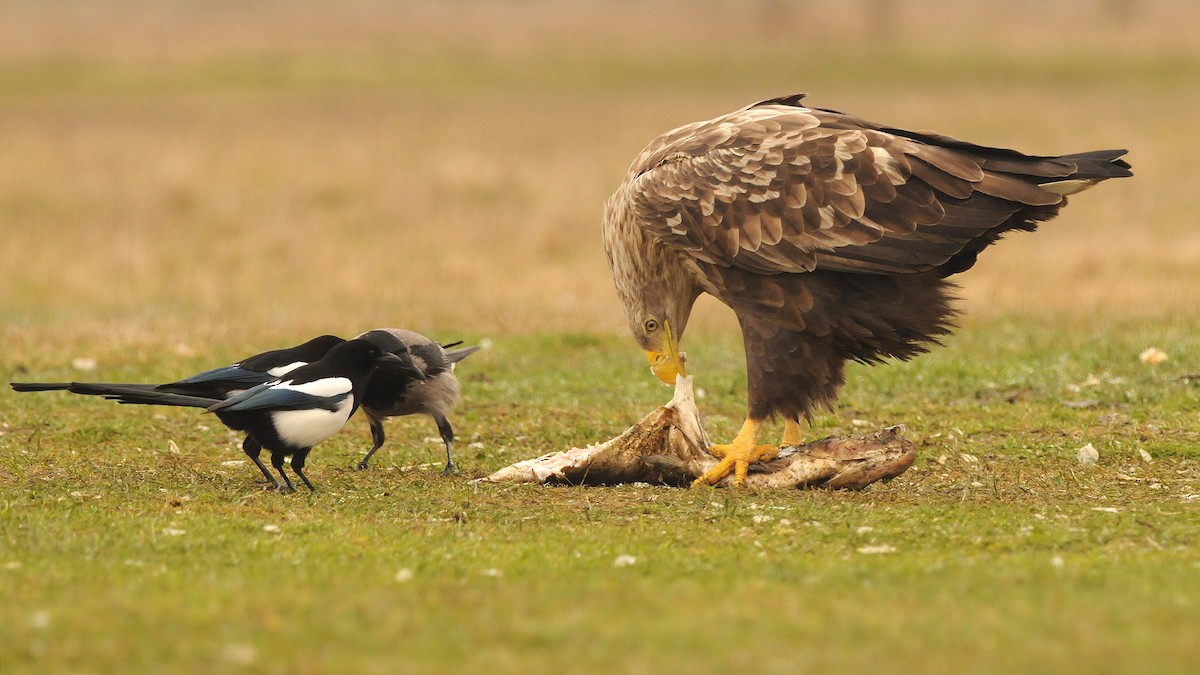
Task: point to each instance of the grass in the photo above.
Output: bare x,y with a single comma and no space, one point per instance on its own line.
996,552
187,183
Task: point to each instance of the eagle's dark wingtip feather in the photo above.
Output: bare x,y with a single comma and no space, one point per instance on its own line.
790,99
1100,164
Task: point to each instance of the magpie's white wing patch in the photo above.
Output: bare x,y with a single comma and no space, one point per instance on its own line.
326,386
280,371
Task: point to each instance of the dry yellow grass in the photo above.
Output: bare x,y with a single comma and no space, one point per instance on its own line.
216,170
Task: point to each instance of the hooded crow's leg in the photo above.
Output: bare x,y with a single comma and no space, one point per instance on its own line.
447,433
378,436
277,462
298,460
252,448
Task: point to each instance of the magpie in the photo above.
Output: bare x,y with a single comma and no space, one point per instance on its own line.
393,389
209,386
388,394
218,383
289,415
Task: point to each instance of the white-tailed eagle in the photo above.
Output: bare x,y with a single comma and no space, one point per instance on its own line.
829,236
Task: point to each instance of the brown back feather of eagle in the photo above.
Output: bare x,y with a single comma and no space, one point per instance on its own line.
779,188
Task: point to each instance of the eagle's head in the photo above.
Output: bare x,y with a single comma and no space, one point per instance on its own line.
657,292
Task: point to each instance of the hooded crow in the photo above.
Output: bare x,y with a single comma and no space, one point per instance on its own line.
436,394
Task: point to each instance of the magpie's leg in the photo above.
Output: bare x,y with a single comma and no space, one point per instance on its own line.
253,449
298,460
447,433
277,462
379,437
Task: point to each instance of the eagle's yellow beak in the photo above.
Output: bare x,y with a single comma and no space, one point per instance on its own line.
667,365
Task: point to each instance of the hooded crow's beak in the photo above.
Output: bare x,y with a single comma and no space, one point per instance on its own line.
393,365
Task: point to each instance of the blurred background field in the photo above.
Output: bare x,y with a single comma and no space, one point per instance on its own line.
184,183
205,170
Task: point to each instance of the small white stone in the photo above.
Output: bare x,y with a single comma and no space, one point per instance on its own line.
270,528
240,654
404,575
875,550
1088,455
1057,561
1145,456
492,572
173,532
83,363
624,560
40,619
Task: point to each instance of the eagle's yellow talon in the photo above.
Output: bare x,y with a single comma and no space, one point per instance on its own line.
737,456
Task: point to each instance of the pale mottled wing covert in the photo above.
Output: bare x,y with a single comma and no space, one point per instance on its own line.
778,188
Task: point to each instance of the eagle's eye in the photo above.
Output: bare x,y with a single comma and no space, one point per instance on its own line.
650,325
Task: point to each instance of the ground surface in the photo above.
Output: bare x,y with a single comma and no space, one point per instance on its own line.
185,184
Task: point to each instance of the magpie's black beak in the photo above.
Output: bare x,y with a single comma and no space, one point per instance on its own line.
399,367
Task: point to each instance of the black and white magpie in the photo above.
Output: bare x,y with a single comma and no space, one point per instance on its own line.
423,381
289,415
435,394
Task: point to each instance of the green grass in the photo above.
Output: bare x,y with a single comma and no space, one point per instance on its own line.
1006,555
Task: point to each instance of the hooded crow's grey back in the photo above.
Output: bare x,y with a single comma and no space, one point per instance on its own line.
436,396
